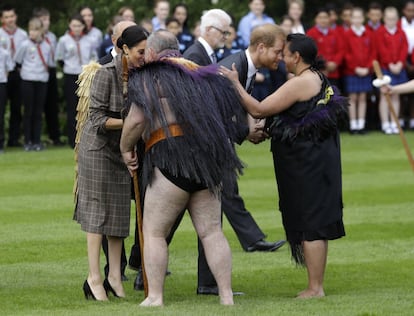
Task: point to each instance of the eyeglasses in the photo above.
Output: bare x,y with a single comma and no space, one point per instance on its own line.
224,33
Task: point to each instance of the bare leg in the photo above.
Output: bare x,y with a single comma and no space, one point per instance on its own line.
315,257
205,210
383,112
352,111
163,202
94,242
362,109
114,275
396,105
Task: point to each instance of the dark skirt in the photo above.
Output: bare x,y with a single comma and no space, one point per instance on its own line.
309,181
402,77
357,84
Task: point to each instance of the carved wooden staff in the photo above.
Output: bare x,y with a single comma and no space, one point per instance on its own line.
136,186
394,116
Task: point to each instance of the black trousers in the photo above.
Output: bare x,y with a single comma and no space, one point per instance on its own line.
14,95
3,101
51,108
34,97
69,90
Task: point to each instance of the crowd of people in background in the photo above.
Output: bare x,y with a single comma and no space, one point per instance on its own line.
349,39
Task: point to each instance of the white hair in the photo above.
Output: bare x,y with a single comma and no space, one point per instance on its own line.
214,17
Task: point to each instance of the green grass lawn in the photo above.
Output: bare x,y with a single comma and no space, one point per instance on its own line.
370,272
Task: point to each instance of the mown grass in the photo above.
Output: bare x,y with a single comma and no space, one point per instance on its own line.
370,271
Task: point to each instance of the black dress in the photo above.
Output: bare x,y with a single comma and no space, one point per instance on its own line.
307,161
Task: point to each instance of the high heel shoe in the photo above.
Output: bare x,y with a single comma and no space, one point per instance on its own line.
87,290
108,288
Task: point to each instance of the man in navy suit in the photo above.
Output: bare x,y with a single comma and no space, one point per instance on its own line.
214,30
264,51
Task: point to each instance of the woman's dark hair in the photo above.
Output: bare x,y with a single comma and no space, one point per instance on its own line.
307,49
77,17
131,36
181,5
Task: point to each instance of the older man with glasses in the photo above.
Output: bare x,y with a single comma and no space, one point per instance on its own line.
214,29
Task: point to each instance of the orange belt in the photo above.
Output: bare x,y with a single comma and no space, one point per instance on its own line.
159,135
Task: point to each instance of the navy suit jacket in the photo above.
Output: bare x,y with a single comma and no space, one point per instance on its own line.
242,66
241,63
198,54
106,59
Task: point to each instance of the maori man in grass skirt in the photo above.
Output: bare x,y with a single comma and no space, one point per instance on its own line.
185,114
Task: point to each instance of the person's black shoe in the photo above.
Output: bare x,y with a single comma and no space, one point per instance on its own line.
212,290
263,245
139,281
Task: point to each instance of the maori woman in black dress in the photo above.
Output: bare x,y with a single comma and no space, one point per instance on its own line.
303,117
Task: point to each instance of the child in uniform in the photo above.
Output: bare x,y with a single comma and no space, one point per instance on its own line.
74,49
359,54
34,58
392,54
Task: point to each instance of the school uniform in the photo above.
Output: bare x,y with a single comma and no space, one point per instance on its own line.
392,47
359,52
73,53
96,37
185,39
51,108
35,59
11,41
330,47
6,65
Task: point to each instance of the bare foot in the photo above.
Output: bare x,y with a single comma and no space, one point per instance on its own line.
152,302
226,299
308,293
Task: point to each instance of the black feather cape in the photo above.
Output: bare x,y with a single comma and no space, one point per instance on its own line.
204,104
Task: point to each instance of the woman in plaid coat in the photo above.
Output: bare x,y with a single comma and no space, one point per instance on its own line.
104,184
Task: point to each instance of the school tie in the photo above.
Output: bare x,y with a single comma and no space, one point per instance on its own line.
12,44
42,58
51,47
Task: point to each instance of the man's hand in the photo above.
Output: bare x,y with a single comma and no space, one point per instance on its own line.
131,161
256,131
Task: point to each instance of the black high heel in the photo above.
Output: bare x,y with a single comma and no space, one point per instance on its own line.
87,290
108,288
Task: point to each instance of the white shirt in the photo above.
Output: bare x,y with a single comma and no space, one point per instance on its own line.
207,47
251,69
408,28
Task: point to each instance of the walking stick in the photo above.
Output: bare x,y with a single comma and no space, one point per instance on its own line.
394,116
139,227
